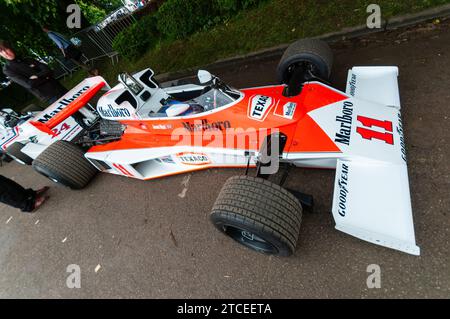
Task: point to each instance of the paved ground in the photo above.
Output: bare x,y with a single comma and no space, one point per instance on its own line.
149,242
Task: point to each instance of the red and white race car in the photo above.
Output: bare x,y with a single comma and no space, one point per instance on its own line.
149,132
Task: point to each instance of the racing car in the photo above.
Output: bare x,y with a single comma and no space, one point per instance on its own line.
148,131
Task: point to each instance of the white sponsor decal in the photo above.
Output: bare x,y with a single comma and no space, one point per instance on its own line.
111,111
162,127
259,106
193,158
289,110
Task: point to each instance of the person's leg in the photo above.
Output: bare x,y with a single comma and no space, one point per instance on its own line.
14,195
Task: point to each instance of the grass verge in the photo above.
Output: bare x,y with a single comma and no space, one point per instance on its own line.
272,23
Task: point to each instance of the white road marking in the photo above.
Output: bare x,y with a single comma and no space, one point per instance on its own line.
183,193
186,180
97,268
9,219
185,183
64,240
37,222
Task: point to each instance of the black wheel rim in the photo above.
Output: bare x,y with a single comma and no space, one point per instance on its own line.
250,240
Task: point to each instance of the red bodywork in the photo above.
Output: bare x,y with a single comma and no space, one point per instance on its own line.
304,135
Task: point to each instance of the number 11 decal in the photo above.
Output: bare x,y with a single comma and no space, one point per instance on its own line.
370,134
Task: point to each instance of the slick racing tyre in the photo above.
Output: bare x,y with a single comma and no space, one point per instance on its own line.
312,53
64,163
259,215
15,151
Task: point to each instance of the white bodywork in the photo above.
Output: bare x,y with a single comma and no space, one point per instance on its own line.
35,140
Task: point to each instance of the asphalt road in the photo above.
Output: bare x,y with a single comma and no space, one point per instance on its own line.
135,239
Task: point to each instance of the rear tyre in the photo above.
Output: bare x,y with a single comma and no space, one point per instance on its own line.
259,215
64,163
313,54
15,151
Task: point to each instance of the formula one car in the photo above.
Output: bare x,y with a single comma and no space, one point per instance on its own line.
149,132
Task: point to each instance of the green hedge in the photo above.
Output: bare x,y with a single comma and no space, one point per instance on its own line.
233,6
178,19
136,40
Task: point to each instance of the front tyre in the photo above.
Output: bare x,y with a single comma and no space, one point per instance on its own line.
258,214
64,163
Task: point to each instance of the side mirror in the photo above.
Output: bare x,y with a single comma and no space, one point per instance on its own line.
130,83
204,76
123,77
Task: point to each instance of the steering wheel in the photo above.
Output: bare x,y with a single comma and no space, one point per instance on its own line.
197,108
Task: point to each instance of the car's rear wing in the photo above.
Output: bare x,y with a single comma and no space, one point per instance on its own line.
67,105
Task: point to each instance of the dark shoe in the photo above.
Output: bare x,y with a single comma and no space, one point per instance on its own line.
42,191
38,203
